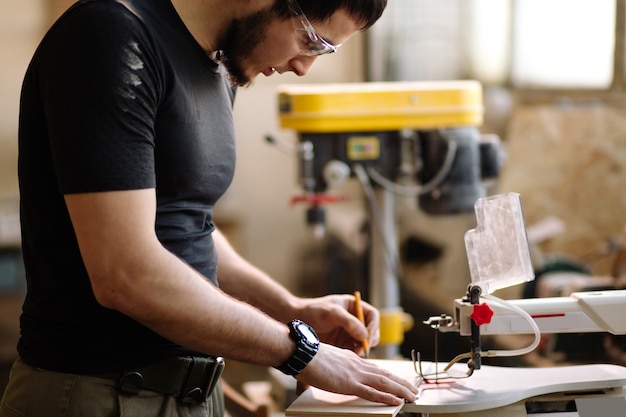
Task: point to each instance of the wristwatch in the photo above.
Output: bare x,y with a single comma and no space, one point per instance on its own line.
307,344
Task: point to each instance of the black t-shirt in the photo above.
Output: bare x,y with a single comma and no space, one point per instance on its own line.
118,96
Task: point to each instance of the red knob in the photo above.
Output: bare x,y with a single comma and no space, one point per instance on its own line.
481,314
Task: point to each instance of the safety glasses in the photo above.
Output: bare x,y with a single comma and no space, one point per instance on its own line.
309,42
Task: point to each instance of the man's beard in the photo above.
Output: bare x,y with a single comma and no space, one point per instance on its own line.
242,37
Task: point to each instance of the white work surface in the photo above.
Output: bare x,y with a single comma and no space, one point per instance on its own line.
490,387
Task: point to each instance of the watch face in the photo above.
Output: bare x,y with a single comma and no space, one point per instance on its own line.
306,331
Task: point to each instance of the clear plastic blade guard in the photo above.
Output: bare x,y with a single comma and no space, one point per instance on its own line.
497,249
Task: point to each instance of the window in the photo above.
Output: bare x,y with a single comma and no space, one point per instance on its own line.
522,43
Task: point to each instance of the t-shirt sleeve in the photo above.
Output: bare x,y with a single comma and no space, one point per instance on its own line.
100,90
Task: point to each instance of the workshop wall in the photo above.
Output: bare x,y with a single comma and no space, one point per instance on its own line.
20,29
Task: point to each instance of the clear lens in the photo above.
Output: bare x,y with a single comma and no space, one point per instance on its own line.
312,45
309,43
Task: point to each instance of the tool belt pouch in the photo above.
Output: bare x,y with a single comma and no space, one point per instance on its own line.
190,379
204,375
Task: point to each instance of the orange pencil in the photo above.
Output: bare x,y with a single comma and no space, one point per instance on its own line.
361,317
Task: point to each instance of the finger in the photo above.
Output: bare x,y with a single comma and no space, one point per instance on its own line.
372,394
359,349
382,377
388,390
352,325
372,316
374,337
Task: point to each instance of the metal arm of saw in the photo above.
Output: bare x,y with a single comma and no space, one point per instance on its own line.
581,312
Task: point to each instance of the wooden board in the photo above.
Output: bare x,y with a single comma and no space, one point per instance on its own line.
315,402
490,387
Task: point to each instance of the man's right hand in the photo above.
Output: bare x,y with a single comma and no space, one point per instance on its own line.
344,372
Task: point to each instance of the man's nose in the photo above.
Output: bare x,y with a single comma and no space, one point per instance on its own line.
302,64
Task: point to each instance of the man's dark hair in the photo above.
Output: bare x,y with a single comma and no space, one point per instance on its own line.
364,12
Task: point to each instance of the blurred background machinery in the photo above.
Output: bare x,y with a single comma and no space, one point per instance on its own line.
417,140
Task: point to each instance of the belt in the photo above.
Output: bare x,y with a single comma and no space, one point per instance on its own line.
191,379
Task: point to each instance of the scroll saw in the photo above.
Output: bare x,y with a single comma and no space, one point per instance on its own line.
416,139
499,257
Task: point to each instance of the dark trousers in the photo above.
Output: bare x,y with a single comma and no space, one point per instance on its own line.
34,392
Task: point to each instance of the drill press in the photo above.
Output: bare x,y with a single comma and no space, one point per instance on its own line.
417,139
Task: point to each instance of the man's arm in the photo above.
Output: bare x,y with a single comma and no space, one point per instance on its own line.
131,272
248,283
333,317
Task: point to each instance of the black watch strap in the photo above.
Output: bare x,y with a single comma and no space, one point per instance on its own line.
307,345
